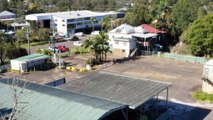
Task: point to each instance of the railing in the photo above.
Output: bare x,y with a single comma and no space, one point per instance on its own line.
186,58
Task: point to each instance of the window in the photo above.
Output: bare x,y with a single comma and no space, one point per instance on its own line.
63,25
116,42
79,19
55,24
123,50
88,18
63,20
71,20
79,24
55,19
124,43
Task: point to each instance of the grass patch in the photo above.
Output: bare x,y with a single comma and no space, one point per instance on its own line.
79,50
202,96
34,44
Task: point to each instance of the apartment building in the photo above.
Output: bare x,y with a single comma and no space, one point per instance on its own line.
69,22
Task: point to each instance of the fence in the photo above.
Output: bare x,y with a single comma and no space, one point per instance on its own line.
4,68
185,58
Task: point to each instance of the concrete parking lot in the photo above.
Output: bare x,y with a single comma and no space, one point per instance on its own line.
185,77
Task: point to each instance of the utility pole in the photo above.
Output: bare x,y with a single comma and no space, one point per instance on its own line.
28,39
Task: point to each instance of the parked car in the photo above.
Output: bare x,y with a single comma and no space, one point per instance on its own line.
79,34
54,49
78,43
74,38
95,33
157,47
62,48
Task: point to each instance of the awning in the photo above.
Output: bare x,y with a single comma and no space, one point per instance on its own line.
145,36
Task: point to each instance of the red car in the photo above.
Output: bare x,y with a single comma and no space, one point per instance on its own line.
62,48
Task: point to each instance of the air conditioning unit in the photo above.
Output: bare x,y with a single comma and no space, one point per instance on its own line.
208,77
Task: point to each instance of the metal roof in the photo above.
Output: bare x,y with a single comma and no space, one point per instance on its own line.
122,89
47,103
6,13
31,57
73,14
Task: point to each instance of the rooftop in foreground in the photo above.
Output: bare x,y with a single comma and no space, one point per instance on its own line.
122,89
47,103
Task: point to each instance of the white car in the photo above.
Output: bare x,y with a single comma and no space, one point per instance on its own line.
78,43
95,33
80,34
52,49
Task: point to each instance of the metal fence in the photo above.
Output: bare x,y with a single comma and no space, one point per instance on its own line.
185,58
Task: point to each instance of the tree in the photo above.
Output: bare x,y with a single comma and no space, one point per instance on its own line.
93,20
98,46
43,34
16,89
199,37
183,13
106,23
3,5
138,15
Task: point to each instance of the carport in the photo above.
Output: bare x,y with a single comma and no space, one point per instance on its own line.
130,91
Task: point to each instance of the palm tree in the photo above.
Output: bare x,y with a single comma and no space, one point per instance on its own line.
99,46
93,20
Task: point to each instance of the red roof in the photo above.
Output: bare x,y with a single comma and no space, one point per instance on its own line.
150,29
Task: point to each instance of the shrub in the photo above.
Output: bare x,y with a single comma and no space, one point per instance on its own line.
181,48
202,96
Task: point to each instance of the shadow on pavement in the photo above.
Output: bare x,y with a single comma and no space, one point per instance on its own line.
177,111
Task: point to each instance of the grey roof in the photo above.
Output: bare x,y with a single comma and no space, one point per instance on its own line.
6,13
74,14
48,103
123,89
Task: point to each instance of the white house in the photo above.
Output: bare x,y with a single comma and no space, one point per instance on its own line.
7,15
68,22
124,39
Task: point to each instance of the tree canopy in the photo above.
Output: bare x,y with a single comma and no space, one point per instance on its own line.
199,36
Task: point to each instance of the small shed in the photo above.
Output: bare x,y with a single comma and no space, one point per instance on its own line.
208,77
23,64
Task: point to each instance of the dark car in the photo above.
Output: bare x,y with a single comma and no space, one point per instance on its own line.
74,38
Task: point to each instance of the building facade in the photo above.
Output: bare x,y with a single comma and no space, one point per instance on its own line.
66,23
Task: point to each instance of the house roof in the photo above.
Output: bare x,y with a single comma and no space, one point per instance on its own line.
31,57
123,29
131,91
6,13
150,29
47,103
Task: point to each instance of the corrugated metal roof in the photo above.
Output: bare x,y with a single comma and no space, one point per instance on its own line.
122,89
47,103
6,13
32,57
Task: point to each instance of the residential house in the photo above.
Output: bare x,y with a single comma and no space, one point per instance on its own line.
126,39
